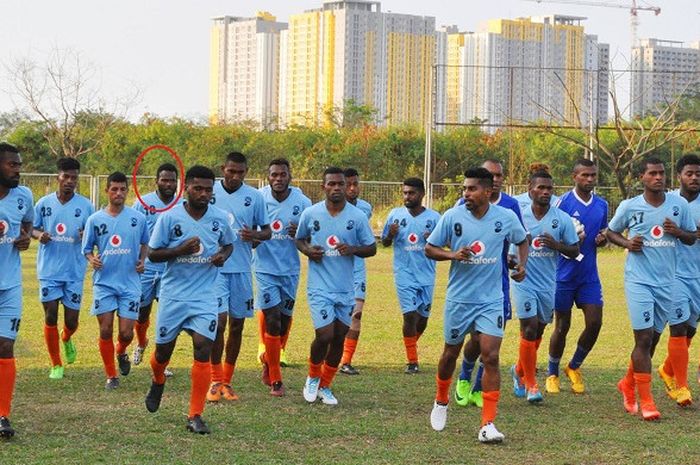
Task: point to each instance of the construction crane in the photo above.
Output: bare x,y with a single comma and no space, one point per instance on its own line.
634,8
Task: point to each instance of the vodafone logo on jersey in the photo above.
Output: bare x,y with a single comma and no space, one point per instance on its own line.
478,248
231,219
60,229
4,227
537,243
277,226
657,232
199,251
115,240
412,238
332,241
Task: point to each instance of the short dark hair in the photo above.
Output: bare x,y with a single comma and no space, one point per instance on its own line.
117,176
583,162
7,148
540,174
166,167
199,171
65,164
642,168
492,160
350,172
279,161
236,157
332,170
685,160
482,174
414,182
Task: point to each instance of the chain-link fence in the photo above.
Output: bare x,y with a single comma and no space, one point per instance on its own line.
42,184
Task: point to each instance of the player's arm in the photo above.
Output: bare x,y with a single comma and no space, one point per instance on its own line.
261,233
522,250
220,257
633,245
570,251
25,235
164,254
362,251
89,245
314,252
391,229
38,232
439,254
686,237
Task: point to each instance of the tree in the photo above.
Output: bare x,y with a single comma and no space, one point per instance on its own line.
63,96
629,141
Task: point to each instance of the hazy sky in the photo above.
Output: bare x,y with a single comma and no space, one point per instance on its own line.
161,46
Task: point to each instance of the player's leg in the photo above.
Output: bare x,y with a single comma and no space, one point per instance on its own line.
10,318
353,336
201,378
260,318
160,358
270,297
241,306
323,335
463,387
71,318
410,337
106,324
563,303
443,379
128,314
150,281
289,295
51,336
332,359
641,362
217,351
490,350
590,299
223,293
456,323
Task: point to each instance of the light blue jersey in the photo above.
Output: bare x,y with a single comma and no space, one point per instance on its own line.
524,200
118,240
16,208
244,207
411,266
61,259
655,265
154,203
335,272
688,256
541,268
477,280
189,277
279,256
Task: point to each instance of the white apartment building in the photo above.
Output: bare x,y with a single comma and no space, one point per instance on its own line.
661,71
244,75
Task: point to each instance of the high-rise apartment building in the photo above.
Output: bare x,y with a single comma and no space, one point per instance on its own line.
524,70
661,71
351,50
244,75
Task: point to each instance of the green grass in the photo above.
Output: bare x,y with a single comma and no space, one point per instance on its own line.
383,416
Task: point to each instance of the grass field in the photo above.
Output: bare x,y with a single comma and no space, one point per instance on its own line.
383,415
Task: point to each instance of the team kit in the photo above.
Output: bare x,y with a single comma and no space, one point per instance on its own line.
532,257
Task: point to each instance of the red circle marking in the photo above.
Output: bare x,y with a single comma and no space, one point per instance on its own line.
182,178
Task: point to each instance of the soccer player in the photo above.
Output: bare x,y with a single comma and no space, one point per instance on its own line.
655,223
331,233
161,198
352,193
245,207
193,240
407,229
687,294
577,280
474,301
59,222
553,233
277,267
465,392
16,217
120,235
